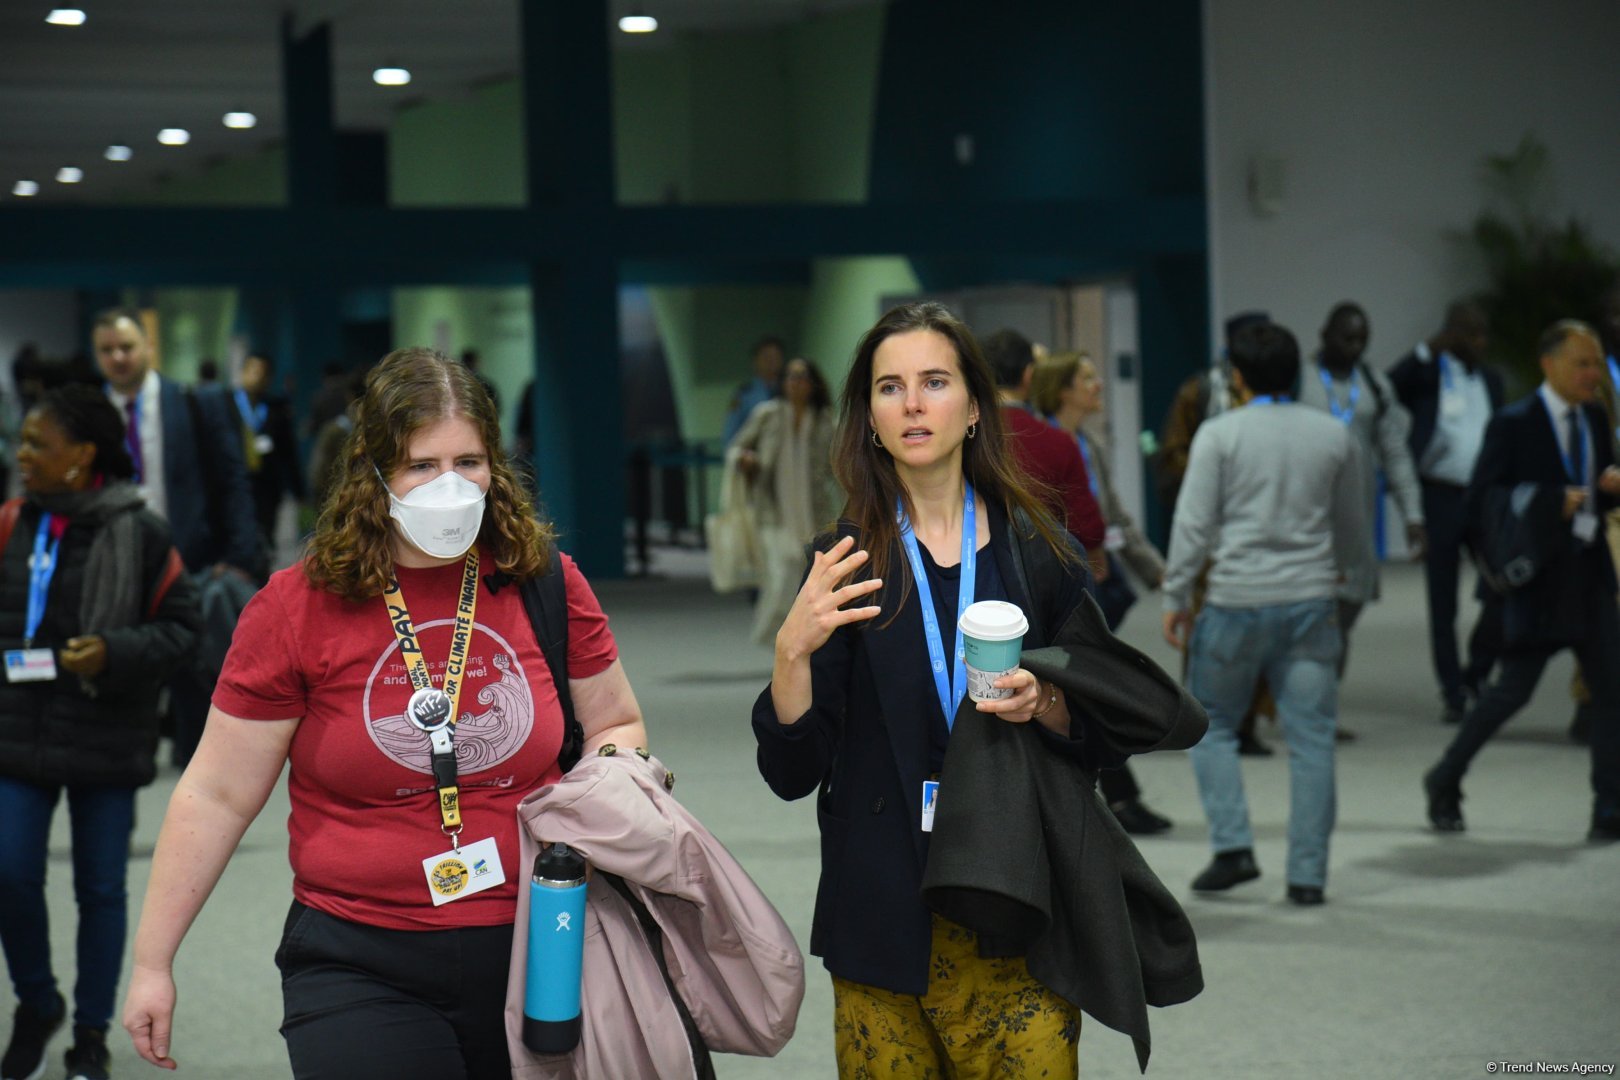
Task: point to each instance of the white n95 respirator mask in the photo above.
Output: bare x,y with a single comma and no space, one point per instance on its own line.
441,517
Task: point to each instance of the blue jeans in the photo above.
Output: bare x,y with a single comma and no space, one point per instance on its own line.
1296,647
101,819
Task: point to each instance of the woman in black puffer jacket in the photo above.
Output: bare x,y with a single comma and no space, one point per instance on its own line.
95,614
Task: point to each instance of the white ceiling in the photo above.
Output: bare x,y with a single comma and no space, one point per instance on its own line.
135,66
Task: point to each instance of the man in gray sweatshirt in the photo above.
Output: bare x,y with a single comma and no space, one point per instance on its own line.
1272,495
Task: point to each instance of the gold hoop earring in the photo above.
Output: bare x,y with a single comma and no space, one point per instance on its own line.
72,473
973,429
875,441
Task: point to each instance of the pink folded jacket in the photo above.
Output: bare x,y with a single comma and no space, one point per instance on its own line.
730,956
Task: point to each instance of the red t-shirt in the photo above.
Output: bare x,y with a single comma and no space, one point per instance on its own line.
364,808
1053,458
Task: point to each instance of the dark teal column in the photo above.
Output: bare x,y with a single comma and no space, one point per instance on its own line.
578,415
311,308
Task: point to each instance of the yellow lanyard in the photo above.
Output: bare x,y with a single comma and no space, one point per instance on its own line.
430,709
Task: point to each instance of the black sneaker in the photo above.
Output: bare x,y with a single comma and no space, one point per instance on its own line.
1135,818
30,1031
88,1059
1228,869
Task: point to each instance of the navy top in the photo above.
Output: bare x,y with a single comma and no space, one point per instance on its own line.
943,582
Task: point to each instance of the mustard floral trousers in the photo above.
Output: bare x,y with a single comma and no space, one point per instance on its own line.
980,1019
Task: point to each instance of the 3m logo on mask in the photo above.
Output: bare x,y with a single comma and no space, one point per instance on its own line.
440,518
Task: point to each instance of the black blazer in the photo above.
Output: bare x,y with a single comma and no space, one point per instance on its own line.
863,748
1416,378
1557,607
205,480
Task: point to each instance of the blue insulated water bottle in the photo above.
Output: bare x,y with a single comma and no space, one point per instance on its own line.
556,949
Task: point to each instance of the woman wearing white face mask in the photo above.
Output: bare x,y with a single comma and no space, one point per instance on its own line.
395,951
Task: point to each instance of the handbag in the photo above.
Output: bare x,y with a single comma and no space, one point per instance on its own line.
732,534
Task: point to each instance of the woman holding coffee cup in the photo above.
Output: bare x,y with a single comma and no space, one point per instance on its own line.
866,686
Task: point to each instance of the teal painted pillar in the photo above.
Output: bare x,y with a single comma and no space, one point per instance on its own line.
578,413
311,310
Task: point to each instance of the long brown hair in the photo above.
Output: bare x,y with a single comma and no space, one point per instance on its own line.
351,552
867,471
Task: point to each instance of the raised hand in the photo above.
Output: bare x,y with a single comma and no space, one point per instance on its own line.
819,608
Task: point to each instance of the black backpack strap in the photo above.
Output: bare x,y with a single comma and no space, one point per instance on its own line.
545,598
1372,383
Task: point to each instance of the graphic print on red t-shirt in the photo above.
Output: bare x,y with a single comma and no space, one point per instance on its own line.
493,722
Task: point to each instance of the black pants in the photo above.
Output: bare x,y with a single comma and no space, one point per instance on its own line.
1442,563
406,1004
1506,695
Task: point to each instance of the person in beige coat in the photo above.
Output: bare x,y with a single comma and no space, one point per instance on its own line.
785,450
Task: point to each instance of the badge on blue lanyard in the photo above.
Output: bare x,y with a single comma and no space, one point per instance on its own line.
1347,413
953,686
29,664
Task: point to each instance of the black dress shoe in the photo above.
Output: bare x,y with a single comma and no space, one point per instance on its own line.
1228,869
1605,832
1136,819
1445,804
1251,746
1342,735
1306,895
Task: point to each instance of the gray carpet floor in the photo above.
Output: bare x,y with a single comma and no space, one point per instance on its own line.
1434,956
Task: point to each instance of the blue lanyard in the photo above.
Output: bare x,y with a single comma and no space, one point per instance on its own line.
1575,456
950,693
1085,454
1091,468
1347,413
253,414
1614,374
1270,399
1445,374
41,568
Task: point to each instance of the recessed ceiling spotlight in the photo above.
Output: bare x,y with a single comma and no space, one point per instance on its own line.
118,153
67,174
24,189
174,136
240,120
391,76
638,24
65,17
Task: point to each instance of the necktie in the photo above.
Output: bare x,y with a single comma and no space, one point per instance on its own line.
132,436
1577,446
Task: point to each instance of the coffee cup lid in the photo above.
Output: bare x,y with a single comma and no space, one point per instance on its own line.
994,620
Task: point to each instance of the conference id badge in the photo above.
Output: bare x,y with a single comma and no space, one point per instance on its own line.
1585,525
1114,539
263,444
30,665
929,800
1452,404
456,875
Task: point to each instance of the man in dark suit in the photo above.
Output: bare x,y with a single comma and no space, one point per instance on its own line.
1556,438
272,456
187,449
1451,395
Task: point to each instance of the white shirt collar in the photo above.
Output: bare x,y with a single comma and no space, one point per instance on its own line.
1560,408
149,389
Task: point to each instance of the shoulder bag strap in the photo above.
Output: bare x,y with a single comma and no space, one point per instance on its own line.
545,598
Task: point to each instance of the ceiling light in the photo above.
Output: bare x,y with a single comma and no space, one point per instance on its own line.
67,174
638,24
118,153
390,76
240,120
174,136
65,17
24,188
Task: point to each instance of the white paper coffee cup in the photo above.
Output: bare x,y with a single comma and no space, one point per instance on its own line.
992,639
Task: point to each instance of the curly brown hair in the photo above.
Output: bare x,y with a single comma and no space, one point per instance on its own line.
351,551
866,471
